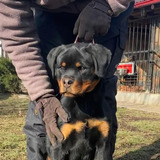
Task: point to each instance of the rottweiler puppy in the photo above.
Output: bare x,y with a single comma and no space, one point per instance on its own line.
78,68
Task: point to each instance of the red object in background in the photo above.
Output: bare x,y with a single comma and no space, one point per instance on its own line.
129,67
142,3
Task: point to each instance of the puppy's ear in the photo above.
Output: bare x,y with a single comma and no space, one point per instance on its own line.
52,57
101,57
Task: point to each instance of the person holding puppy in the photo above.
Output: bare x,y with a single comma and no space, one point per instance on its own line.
28,38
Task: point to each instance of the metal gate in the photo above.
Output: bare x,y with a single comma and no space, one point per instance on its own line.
143,49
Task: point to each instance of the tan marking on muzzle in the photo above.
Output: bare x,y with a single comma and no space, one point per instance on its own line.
88,86
77,88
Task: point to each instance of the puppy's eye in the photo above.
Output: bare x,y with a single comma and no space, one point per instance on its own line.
62,68
81,68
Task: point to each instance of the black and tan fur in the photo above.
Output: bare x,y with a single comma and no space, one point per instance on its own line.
78,68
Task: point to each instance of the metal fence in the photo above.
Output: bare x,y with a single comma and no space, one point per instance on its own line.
143,48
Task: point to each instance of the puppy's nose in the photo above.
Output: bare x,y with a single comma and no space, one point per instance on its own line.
67,82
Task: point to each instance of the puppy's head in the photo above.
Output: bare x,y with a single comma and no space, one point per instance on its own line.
78,67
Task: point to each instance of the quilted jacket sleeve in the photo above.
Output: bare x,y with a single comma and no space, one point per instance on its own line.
119,6
20,41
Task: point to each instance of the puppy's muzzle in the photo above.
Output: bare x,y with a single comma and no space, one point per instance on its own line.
67,82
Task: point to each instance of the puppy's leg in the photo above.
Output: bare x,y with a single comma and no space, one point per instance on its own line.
103,151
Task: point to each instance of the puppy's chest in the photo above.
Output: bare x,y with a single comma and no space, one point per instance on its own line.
81,123
99,127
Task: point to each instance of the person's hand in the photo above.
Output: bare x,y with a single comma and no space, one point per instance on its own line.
52,108
94,19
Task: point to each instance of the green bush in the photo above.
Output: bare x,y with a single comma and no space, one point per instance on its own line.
9,81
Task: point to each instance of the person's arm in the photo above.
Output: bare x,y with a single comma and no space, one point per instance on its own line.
119,6
20,41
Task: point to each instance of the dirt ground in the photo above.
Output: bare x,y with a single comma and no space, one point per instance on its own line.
146,108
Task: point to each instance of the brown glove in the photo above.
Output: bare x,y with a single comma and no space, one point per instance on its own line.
52,108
